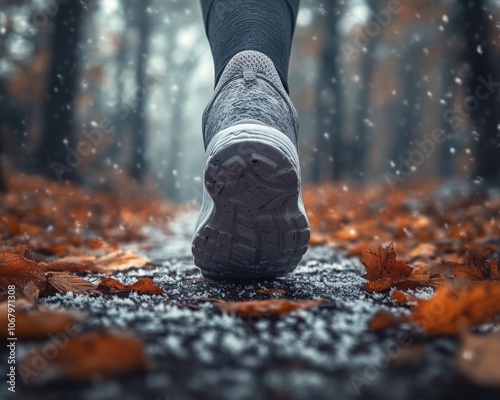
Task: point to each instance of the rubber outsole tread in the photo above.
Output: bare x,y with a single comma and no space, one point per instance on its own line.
256,228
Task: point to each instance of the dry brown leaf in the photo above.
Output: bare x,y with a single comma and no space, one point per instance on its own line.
420,268
101,244
88,356
423,250
384,319
19,271
37,322
381,263
75,264
318,239
266,308
63,283
478,358
383,271
414,281
450,308
477,267
349,233
404,298
25,251
473,304
379,285
55,249
357,250
120,261
143,286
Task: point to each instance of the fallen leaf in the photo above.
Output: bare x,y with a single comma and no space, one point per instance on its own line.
384,319
381,263
120,261
101,244
349,233
478,267
19,271
36,322
143,286
383,271
26,252
75,264
414,281
450,308
473,304
63,283
478,358
423,250
318,239
266,308
379,285
404,298
357,249
55,249
420,268
86,357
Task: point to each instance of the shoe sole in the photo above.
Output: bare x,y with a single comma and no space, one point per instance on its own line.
254,225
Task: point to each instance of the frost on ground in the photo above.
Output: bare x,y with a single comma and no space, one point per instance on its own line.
324,352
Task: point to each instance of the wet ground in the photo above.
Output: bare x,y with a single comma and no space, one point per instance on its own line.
322,353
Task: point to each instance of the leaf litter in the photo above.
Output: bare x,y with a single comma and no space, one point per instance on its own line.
457,261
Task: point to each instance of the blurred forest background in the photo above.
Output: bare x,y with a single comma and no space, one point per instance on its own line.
101,91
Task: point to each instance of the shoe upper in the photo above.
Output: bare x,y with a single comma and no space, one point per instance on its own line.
250,90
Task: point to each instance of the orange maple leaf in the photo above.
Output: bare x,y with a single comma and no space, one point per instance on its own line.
91,355
143,286
266,308
472,304
478,267
381,263
35,321
451,308
383,271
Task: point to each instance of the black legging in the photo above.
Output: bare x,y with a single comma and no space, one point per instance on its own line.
263,25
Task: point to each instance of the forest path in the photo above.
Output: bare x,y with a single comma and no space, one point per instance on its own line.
322,353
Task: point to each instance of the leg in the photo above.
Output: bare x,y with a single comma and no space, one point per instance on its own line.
238,25
252,224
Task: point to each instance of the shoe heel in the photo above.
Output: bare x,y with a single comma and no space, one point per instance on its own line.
256,227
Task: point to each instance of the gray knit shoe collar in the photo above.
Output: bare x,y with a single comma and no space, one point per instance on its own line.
250,90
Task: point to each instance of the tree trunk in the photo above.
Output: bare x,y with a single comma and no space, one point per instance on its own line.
120,115
357,159
57,143
410,98
138,167
174,147
330,107
478,53
446,163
